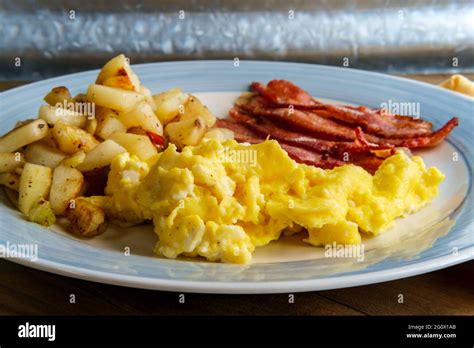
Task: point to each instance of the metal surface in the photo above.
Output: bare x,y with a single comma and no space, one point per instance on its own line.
48,38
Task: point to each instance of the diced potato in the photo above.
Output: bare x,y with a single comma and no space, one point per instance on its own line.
168,104
194,108
41,213
101,156
142,116
52,115
49,140
75,159
138,145
91,125
113,98
58,95
108,123
67,184
86,219
40,153
186,132
221,134
80,98
24,135
72,139
148,97
100,201
35,182
10,161
118,73
11,180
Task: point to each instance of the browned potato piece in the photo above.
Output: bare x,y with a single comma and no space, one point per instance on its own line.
23,135
40,153
113,98
35,182
67,184
72,139
101,156
186,132
53,115
168,104
10,161
118,73
11,180
138,145
86,219
108,123
58,95
194,108
142,116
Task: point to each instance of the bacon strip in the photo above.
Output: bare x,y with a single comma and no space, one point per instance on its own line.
305,121
300,155
375,123
332,148
324,128
283,94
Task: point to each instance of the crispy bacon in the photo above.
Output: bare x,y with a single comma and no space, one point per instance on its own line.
244,134
241,133
284,93
304,121
326,135
332,148
432,139
378,122
325,128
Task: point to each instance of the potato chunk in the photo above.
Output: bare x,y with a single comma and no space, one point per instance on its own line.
25,134
41,153
10,161
168,104
113,98
186,132
67,184
86,219
118,73
72,139
35,182
138,145
142,116
194,108
108,123
58,95
101,156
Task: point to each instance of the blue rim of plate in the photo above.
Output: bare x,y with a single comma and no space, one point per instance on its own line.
59,254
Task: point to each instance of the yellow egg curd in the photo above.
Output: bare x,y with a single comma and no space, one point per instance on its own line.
221,200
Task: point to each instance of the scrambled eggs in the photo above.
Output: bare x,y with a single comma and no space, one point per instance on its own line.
221,200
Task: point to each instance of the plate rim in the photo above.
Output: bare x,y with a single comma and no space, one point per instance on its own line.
248,287
245,287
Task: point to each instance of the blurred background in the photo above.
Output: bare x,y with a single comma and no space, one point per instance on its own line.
50,38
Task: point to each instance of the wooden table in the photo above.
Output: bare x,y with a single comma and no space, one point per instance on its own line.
28,291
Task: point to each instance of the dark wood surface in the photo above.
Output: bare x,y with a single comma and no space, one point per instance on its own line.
27,291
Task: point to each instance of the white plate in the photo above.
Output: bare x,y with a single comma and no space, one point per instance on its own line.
438,236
